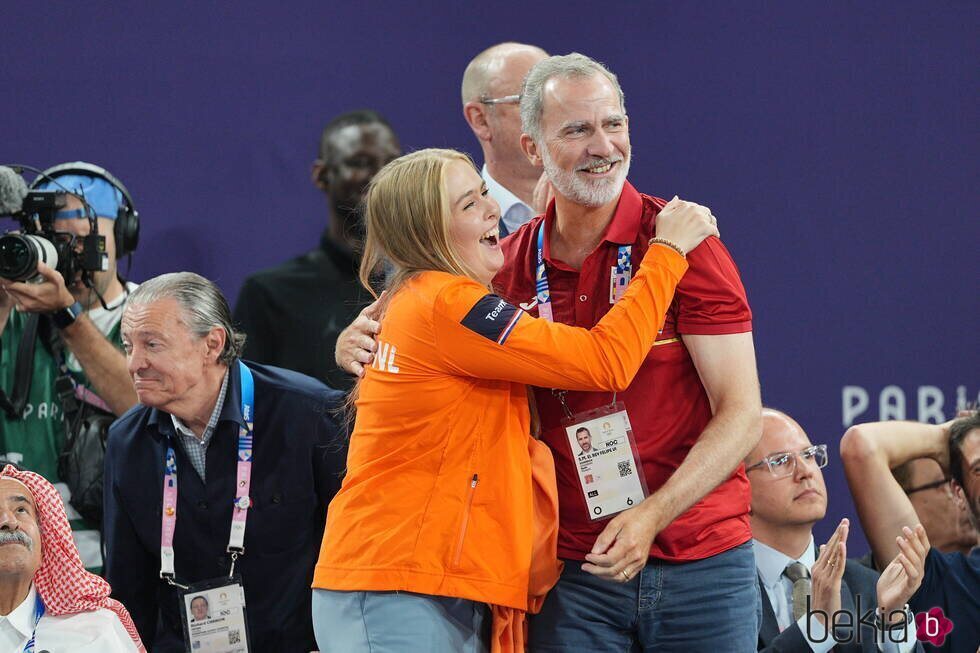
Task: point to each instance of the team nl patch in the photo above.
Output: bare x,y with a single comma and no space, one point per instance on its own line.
492,318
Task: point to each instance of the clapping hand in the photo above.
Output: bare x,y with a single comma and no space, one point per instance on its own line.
827,572
902,577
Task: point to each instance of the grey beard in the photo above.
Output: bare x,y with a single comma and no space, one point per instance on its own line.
8,537
579,190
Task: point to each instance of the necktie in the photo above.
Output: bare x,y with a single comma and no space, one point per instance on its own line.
799,575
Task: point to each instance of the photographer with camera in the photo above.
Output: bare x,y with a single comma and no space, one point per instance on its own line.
63,374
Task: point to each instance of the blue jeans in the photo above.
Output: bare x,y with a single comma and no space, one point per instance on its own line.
398,622
709,606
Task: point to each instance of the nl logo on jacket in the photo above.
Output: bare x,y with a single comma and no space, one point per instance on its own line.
492,318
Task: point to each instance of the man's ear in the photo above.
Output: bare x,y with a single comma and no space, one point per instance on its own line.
317,174
475,114
959,495
215,343
530,149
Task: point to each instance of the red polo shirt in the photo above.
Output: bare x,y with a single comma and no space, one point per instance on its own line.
666,402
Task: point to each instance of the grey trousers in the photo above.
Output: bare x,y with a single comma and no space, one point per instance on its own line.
398,622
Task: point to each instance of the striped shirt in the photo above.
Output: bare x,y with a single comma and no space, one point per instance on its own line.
197,448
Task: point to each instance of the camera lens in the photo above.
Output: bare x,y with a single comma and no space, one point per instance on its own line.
20,253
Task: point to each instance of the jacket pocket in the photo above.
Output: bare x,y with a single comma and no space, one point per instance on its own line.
465,521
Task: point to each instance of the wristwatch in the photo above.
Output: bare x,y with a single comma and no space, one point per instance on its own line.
66,316
880,625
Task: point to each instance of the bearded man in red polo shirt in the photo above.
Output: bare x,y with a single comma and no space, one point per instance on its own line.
675,571
653,522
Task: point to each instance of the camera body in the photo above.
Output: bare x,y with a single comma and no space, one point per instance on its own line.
38,241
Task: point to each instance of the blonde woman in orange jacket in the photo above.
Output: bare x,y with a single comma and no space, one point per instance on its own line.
444,532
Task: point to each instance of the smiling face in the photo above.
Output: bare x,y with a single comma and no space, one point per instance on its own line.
167,362
797,500
20,536
585,145
474,219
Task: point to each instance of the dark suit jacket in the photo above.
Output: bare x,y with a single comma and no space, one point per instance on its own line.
858,581
298,456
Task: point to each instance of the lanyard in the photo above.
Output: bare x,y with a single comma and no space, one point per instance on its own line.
541,280
243,482
623,272
38,613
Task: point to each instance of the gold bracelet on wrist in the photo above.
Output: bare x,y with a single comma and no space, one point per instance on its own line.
668,243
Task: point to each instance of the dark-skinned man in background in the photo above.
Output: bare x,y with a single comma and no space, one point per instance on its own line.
293,313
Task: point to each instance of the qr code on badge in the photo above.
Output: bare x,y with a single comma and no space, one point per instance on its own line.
625,468
234,637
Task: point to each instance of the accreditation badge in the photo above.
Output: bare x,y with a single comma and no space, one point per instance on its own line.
213,612
606,459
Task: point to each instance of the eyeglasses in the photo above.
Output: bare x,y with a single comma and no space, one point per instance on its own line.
929,486
783,463
507,99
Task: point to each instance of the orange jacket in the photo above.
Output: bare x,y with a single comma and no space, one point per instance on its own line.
438,497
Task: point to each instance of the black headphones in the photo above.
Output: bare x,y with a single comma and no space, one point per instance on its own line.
127,225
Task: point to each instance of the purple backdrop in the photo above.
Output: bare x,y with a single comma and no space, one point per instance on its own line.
832,139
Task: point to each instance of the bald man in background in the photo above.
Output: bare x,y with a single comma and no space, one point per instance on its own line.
491,105
789,496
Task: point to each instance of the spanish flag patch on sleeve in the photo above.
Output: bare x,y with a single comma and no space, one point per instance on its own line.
492,318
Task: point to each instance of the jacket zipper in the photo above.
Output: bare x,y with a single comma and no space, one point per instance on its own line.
466,520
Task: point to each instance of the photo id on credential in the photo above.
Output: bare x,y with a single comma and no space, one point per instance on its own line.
604,452
214,617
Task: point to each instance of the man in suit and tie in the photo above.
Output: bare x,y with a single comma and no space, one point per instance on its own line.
801,590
